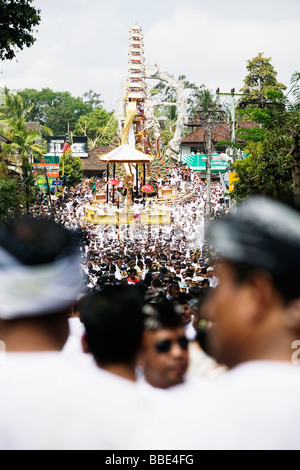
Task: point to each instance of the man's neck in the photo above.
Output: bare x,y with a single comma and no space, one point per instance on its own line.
278,350
31,338
121,370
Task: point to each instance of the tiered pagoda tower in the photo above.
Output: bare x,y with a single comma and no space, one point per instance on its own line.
136,85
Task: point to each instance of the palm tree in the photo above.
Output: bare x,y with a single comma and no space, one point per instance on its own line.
14,108
295,82
25,144
13,115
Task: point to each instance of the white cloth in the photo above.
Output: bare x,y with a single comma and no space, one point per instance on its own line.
190,332
73,347
213,282
201,365
255,406
46,403
28,290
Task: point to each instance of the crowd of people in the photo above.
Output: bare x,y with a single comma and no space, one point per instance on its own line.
151,339
157,256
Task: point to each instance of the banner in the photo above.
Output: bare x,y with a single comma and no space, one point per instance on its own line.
198,162
45,161
53,174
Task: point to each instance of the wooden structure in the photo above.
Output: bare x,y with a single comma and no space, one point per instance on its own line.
119,217
131,159
167,193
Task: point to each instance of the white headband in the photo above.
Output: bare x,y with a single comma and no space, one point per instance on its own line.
27,291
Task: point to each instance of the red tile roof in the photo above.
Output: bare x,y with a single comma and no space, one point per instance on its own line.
220,133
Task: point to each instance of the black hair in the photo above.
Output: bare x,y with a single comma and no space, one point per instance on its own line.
114,323
159,314
156,283
132,271
286,282
196,292
37,241
183,298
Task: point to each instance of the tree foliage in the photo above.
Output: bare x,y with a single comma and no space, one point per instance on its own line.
100,127
14,114
73,169
261,78
93,99
197,96
12,198
55,109
26,144
273,146
18,20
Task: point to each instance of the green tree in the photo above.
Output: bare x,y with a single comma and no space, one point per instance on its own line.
14,107
261,79
93,99
200,98
12,198
13,114
18,20
197,96
165,93
100,127
267,171
73,170
273,166
55,109
25,144
295,81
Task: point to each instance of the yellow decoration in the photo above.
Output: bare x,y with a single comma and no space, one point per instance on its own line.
232,178
130,115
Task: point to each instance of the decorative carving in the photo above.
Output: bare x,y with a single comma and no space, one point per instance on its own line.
152,122
153,72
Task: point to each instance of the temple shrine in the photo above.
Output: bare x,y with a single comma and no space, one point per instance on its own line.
134,157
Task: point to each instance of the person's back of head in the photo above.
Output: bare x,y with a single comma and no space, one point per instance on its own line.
156,283
114,326
40,280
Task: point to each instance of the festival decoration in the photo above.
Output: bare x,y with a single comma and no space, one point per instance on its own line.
148,188
113,182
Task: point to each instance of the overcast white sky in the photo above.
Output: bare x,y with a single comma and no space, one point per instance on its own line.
83,44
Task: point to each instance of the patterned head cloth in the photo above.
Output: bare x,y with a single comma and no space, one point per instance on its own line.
263,233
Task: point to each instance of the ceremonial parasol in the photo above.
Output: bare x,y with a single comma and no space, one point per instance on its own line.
113,182
148,188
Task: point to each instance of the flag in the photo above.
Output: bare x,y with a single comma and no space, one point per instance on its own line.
67,147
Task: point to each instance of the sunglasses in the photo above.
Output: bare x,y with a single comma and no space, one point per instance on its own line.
165,346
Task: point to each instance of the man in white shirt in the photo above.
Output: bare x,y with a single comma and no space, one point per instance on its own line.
173,181
46,401
256,315
113,323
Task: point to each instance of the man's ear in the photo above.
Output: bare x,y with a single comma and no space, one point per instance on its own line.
141,352
262,294
85,345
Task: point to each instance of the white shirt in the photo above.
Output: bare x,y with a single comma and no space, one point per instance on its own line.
201,365
73,347
255,406
190,332
46,403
